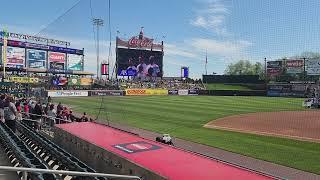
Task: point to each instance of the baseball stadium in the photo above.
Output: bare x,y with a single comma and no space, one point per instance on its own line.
122,105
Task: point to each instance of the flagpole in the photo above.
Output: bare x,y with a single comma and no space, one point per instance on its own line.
206,63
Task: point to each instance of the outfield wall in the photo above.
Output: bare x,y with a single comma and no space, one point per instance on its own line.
153,92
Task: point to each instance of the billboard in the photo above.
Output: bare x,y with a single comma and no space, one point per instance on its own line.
294,66
274,71
56,60
313,66
26,80
36,58
86,81
74,62
139,63
274,64
15,57
73,81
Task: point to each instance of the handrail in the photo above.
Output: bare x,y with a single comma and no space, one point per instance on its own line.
50,117
72,173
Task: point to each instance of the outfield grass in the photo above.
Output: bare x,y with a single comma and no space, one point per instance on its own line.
221,86
184,116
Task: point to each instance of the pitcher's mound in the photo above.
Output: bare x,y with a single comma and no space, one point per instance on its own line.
302,125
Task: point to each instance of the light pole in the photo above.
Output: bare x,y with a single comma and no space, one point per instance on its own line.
98,23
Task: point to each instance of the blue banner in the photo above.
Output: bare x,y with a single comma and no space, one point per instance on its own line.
36,58
21,44
185,72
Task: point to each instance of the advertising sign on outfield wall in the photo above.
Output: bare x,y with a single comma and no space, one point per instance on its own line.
147,92
173,92
67,93
193,92
106,93
152,92
135,92
183,92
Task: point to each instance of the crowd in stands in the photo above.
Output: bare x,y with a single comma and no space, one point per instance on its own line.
36,113
154,84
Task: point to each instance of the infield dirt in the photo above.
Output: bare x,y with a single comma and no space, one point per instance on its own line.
301,125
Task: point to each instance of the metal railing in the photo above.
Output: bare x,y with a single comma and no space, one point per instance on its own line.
25,172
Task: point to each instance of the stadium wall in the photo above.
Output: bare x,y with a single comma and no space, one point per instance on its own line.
100,159
155,92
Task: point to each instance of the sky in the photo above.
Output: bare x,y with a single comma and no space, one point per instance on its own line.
228,30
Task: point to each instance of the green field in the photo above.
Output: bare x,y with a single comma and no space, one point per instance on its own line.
184,116
221,86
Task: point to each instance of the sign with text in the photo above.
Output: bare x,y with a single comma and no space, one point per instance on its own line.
106,93
36,58
74,62
274,64
86,81
67,93
294,66
15,57
56,60
28,80
274,71
173,92
313,66
135,92
183,92
153,92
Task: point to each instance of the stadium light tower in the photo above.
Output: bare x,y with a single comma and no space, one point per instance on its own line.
98,23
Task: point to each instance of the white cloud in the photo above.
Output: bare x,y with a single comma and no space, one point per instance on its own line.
178,50
212,18
222,48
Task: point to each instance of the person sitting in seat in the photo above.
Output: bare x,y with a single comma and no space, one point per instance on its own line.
84,118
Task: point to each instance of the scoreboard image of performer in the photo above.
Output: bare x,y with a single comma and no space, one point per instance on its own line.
139,63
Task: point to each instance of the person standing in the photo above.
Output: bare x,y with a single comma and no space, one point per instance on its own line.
2,99
38,112
10,113
52,115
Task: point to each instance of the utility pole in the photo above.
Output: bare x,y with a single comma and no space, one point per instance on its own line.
98,23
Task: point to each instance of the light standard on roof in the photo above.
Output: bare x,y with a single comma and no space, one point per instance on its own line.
97,22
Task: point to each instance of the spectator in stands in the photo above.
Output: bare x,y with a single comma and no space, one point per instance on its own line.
2,99
65,113
51,115
38,112
84,117
59,117
49,99
18,106
59,108
26,109
72,117
10,113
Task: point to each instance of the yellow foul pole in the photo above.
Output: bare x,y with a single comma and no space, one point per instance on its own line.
4,53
